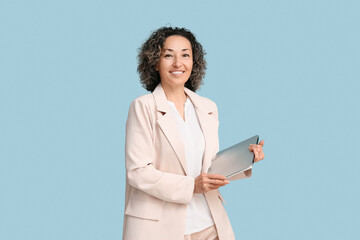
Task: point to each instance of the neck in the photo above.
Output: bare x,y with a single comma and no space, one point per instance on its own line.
174,94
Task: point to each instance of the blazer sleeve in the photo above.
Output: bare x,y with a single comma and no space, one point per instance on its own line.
140,155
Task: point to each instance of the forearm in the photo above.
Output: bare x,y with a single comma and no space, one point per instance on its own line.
166,186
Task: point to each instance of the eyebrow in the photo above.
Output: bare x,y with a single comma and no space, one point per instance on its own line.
171,50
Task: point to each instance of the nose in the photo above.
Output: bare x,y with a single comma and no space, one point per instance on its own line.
177,62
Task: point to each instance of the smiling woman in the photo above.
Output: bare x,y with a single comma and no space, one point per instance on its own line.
150,53
175,67
176,62
171,139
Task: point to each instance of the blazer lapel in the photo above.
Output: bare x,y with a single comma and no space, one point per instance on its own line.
209,125
168,125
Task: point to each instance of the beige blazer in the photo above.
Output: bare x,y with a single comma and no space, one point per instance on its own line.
157,186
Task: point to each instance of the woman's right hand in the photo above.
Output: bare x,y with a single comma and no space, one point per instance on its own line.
206,182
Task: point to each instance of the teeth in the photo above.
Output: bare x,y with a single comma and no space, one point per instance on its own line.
177,72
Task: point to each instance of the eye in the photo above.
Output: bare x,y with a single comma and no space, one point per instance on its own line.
168,55
186,55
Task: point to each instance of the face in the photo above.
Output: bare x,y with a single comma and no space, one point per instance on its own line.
176,61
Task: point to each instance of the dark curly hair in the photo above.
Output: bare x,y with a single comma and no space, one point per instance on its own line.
149,56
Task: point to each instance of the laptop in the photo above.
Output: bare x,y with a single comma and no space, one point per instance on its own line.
235,159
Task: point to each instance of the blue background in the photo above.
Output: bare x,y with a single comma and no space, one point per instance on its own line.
286,70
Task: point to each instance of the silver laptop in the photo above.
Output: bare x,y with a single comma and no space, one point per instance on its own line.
235,159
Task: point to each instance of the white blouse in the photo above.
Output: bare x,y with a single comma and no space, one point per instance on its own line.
198,216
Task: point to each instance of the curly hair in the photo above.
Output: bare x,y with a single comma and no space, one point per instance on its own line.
149,56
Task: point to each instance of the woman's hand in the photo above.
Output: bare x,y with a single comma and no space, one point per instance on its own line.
257,149
206,182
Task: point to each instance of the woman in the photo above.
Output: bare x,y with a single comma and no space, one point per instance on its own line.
171,138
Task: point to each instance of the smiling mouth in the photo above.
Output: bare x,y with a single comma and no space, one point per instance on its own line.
177,72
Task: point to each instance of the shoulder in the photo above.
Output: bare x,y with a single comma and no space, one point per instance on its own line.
211,105
202,103
142,104
146,100
211,108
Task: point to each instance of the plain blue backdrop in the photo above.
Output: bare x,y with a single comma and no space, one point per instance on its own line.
286,70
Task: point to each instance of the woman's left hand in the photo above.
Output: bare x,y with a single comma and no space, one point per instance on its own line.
257,149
